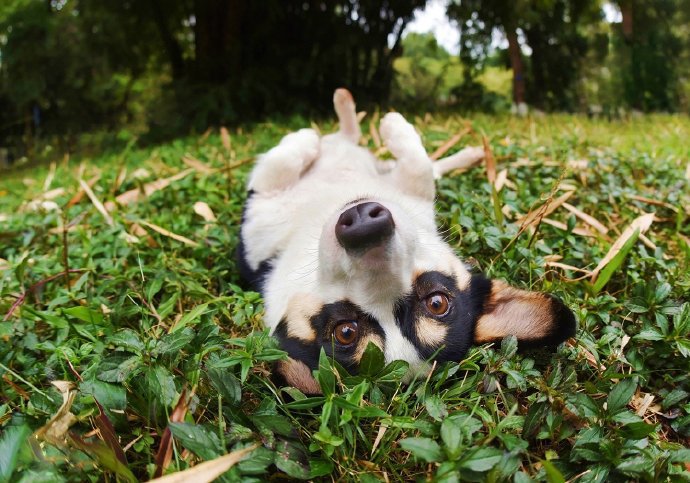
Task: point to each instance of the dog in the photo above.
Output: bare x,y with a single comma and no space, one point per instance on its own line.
345,250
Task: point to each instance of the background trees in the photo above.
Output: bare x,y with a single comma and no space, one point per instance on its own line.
160,68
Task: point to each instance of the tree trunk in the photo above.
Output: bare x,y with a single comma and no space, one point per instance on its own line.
516,65
170,43
626,7
217,39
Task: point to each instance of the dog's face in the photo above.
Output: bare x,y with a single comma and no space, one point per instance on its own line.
346,252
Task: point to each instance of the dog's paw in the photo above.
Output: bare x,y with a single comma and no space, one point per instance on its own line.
400,137
283,165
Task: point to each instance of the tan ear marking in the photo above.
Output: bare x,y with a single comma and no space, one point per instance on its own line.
509,311
297,374
301,307
430,332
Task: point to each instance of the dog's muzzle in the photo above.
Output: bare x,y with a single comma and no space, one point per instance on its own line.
364,226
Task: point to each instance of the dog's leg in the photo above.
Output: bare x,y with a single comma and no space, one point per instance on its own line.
344,106
413,172
466,158
282,166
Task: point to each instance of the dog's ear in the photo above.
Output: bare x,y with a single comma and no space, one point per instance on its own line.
295,373
536,319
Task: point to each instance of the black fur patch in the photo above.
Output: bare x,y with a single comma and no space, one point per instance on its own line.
323,324
253,279
466,306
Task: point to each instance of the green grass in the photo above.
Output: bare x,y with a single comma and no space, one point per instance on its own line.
154,329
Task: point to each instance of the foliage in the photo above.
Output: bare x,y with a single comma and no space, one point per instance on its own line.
79,65
156,334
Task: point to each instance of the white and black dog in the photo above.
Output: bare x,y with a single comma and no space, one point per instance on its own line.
345,251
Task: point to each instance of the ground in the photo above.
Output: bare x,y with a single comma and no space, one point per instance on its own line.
136,308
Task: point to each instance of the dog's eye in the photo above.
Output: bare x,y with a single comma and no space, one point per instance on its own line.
437,304
345,332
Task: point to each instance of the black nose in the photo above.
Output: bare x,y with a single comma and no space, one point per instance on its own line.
364,225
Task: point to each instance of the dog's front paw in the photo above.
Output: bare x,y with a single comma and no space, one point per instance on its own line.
400,137
283,165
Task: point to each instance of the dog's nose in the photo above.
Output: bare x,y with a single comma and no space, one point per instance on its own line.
364,225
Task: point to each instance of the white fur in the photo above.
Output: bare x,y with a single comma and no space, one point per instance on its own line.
301,188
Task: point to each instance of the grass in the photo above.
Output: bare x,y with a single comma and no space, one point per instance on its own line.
168,365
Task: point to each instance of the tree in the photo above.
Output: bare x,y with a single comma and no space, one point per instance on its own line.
551,29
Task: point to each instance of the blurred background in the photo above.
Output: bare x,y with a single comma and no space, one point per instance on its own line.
75,73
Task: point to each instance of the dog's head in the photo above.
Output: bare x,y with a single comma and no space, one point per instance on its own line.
357,258
386,277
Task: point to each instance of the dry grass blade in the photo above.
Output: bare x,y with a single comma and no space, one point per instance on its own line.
107,433
590,220
501,179
225,140
549,206
197,165
564,227
651,201
208,470
170,234
203,210
165,450
641,223
55,430
79,195
379,436
361,115
567,267
490,161
96,202
131,196
445,147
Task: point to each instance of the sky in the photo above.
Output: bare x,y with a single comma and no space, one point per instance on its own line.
433,19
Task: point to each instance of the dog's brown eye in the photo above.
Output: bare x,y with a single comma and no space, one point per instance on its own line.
437,304
345,332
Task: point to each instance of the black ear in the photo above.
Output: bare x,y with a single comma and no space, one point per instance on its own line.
536,319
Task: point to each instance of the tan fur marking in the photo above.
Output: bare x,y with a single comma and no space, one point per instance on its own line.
526,315
461,274
297,374
430,332
364,342
301,307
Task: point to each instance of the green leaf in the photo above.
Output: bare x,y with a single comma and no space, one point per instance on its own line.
85,314
161,384
393,372
509,346
172,344
620,395
424,448
606,273
325,375
291,459
127,339
552,473
197,439
436,407
638,430
451,434
11,440
190,318
118,367
481,459
372,361
257,462
226,384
